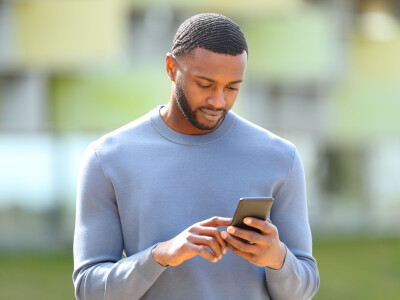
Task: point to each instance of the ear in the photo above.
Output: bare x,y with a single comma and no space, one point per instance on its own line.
170,66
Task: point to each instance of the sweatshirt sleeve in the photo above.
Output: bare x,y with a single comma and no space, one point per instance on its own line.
298,278
99,270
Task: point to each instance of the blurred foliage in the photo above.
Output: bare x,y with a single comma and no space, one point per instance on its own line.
251,7
363,111
367,100
343,180
105,102
349,269
47,36
291,46
375,61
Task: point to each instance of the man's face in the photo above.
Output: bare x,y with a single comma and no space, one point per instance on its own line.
190,114
206,87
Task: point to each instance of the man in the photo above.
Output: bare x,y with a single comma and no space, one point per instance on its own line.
152,187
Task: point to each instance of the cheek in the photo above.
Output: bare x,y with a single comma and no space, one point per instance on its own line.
183,84
196,94
230,98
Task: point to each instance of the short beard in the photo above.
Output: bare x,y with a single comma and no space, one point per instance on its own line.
190,114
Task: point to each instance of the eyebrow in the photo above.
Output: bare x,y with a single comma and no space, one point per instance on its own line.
212,80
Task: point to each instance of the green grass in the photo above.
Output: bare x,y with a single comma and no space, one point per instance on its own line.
36,276
358,269
349,269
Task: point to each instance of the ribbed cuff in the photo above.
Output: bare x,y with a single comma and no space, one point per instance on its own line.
282,274
150,269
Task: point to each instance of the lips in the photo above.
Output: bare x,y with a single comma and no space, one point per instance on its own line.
211,115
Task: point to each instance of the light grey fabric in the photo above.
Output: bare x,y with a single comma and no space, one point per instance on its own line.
145,183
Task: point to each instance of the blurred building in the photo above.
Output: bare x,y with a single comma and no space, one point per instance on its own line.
323,74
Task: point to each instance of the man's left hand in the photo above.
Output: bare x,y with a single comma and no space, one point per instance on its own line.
264,250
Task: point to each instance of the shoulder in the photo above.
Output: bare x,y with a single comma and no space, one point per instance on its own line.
116,141
259,138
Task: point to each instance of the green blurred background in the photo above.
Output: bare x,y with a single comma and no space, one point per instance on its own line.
323,74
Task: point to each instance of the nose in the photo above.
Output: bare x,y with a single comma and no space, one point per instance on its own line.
217,98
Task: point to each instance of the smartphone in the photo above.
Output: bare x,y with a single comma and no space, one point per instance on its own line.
256,207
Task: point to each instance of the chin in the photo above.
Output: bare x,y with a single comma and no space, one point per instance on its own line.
208,125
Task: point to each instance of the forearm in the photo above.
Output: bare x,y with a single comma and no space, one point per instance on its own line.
297,279
128,278
99,271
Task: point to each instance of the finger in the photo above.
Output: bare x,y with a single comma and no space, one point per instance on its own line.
209,242
238,244
203,252
264,226
248,235
215,233
245,255
216,221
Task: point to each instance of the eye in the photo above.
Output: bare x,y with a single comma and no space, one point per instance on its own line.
203,86
233,88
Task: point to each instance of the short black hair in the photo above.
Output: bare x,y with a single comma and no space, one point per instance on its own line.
210,31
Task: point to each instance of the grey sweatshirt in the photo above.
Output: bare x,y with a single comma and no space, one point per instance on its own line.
145,183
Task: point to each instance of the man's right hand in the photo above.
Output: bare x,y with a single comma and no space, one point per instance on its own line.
192,242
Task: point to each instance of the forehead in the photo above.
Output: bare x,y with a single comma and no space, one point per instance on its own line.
203,62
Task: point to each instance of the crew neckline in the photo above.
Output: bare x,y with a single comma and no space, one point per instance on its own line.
187,139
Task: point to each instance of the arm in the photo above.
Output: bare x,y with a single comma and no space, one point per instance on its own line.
99,271
298,278
285,247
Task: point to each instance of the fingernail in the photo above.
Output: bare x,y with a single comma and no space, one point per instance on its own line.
247,221
224,251
219,257
215,259
231,230
223,234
